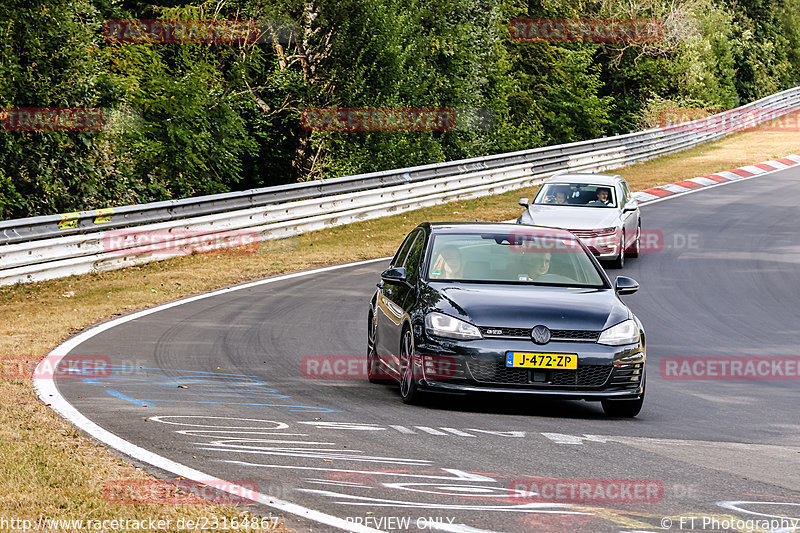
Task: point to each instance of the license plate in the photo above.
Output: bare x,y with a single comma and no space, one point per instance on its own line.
563,361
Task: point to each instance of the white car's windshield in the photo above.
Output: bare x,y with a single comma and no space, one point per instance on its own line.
576,194
517,256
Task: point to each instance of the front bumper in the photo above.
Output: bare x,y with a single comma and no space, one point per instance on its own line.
479,366
605,257
604,250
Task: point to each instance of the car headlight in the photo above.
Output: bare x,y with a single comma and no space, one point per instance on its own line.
450,327
623,333
606,231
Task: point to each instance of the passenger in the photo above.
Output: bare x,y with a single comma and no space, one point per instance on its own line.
448,264
557,198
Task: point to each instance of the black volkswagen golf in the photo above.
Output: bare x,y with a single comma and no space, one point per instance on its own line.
468,307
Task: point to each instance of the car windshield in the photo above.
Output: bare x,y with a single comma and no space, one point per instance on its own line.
576,194
515,256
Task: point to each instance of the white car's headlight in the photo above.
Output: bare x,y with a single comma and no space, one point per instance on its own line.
606,231
623,333
443,325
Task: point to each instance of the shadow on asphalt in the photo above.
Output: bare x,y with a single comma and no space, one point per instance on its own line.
497,404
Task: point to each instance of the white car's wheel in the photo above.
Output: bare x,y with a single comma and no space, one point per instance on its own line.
619,262
633,251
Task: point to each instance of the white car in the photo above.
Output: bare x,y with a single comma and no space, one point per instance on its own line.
597,208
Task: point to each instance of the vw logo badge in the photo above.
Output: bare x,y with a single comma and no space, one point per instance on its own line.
540,335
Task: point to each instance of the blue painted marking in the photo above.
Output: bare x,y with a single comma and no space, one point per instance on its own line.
107,381
245,391
180,380
238,394
122,396
218,373
245,387
300,408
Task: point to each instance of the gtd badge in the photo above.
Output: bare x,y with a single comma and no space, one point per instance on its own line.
540,334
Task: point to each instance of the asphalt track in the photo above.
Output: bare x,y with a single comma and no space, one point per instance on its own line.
725,283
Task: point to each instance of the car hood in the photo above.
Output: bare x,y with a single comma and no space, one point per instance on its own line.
570,217
525,306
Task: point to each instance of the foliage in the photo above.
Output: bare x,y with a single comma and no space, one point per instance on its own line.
184,119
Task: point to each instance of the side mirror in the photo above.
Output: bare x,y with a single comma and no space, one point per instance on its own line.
633,205
625,285
524,202
394,275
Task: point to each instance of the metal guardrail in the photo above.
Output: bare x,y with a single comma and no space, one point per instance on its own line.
46,247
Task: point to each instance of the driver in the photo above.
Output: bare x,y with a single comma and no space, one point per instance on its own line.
603,198
538,265
448,264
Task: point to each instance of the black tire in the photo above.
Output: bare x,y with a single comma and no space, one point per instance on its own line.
619,262
634,249
625,408
409,388
375,374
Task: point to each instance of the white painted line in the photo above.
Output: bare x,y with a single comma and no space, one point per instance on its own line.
430,431
455,528
311,454
456,475
338,483
792,523
561,438
793,157
49,394
366,501
457,432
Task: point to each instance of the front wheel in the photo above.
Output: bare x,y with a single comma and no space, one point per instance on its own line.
409,389
624,408
619,262
634,249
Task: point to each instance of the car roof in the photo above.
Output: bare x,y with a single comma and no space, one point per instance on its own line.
478,227
587,178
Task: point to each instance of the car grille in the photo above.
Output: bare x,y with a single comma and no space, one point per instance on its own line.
586,376
574,335
493,372
498,372
506,333
570,335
